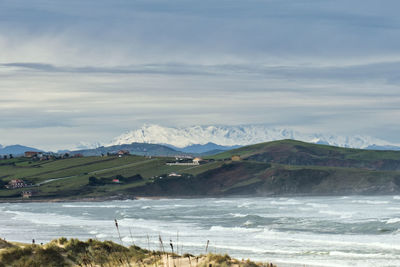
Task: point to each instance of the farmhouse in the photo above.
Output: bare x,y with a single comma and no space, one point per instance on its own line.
185,162
197,160
30,154
174,174
16,183
123,153
235,158
26,194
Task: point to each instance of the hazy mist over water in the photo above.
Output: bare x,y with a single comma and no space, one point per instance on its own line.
325,231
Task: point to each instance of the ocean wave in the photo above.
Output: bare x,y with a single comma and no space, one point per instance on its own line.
396,197
393,220
238,215
248,223
96,206
101,236
353,255
270,234
223,201
219,228
245,205
54,219
317,205
341,214
371,202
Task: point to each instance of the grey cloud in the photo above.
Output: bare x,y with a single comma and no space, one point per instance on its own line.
175,69
211,28
110,66
386,71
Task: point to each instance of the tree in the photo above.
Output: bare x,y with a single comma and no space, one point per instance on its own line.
93,181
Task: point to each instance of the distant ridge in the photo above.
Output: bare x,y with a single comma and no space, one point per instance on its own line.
206,148
375,147
134,148
16,150
145,149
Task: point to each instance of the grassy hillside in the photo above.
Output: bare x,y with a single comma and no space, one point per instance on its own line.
274,168
70,177
291,152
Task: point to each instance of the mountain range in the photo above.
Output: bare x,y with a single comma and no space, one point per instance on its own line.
187,138
208,140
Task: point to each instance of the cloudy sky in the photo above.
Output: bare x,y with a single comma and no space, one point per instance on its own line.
75,70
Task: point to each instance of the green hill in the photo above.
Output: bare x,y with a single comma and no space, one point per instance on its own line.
293,152
273,168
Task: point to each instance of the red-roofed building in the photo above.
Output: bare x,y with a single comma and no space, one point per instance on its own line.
123,153
30,154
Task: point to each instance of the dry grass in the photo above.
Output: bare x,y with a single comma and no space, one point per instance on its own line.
73,252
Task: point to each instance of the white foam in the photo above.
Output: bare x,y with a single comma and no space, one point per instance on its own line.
362,255
317,205
54,219
341,214
244,205
96,206
351,242
238,215
101,236
285,202
234,229
248,223
371,202
393,220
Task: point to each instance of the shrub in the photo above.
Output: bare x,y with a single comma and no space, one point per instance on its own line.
93,181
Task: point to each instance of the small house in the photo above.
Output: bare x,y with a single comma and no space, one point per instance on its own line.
116,181
197,160
174,174
235,158
123,153
26,194
31,154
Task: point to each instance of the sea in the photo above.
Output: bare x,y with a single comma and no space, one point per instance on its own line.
288,231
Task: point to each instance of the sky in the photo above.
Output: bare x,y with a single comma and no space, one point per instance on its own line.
73,71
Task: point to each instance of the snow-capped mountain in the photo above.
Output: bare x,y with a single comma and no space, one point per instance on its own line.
87,145
236,135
